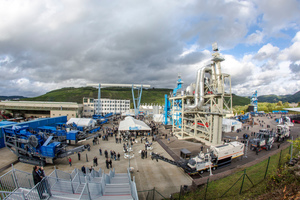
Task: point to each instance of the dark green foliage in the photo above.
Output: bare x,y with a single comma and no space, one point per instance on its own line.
239,101
76,94
284,98
153,95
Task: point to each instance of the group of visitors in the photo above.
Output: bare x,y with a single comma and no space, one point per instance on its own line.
38,175
144,154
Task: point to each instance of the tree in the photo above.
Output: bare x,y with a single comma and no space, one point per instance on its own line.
279,103
298,104
296,143
286,105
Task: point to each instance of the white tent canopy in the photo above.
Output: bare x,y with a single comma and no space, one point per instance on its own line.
229,125
158,117
82,122
130,124
127,114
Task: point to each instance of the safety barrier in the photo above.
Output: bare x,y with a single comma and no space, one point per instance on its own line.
77,185
40,191
12,195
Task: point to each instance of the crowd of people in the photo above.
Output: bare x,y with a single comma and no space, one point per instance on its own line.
126,138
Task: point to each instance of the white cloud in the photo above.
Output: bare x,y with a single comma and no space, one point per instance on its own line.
266,52
278,15
293,52
255,38
46,45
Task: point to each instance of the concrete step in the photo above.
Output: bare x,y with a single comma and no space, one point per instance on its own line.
79,188
65,197
119,180
114,197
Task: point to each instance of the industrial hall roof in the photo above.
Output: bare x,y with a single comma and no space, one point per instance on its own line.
39,105
293,109
131,124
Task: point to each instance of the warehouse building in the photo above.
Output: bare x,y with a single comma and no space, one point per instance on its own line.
116,106
38,109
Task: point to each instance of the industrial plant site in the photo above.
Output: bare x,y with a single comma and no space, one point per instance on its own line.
104,149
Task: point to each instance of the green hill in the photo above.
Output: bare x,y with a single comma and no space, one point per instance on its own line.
76,94
153,95
239,101
284,98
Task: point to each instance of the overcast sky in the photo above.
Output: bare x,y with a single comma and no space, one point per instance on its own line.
46,45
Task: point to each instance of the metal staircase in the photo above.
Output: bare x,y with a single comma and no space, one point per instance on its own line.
18,185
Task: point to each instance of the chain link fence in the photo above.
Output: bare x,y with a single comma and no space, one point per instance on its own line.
242,181
152,194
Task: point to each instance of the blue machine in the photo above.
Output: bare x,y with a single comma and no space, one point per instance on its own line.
243,118
63,132
72,135
177,105
102,120
35,148
254,101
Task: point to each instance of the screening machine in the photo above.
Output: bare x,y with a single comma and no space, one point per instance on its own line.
67,133
35,147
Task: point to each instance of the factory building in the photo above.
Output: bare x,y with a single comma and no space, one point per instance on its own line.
40,109
116,106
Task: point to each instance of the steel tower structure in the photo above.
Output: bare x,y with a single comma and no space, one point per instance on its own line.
197,113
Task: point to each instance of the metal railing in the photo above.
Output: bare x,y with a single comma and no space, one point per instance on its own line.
19,185
12,195
62,174
60,185
85,195
24,179
134,192
74,172
40,190
7,182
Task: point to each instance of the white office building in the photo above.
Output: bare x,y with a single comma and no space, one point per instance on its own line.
116,106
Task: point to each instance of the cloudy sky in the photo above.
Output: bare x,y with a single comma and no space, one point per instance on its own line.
46,45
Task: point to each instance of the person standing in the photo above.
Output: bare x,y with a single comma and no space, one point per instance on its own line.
110,163
100,151
36,179
95,161
145,153
119,156
107,163
83,169
70,161
106,153
78,155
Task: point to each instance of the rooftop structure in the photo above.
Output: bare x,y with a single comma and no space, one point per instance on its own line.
42,108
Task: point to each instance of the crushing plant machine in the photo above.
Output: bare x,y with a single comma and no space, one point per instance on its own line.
34,147
197,112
